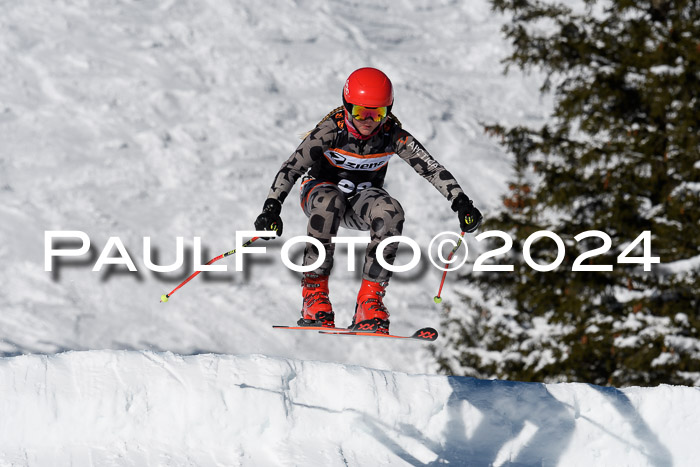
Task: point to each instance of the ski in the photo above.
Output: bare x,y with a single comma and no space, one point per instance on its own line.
423,334
303,328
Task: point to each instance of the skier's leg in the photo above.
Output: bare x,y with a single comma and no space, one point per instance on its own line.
375,210
324,204
384,217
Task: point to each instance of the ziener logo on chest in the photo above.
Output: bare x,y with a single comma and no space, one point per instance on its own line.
350,161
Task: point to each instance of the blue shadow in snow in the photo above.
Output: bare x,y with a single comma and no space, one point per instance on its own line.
505,408
647,442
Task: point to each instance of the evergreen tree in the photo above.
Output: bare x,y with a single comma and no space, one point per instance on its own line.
621,156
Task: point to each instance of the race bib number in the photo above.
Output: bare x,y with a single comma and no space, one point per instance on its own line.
346,186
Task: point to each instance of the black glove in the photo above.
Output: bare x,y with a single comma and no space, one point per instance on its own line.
270,218
469,217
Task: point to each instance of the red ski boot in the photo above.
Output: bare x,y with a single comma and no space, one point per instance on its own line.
317,309
370,313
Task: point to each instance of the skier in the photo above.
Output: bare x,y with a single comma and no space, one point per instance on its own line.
344,161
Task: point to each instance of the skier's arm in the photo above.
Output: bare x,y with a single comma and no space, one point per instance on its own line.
308,152
411,151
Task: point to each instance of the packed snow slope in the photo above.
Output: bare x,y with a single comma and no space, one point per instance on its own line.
121,408
169,119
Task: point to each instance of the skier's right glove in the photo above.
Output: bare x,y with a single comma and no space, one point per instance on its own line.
270,218
469,217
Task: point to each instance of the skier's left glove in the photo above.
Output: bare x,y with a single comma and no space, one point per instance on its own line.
270,218
469,217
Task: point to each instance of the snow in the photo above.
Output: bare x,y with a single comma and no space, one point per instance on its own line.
142,408
161,119
683,265
169,119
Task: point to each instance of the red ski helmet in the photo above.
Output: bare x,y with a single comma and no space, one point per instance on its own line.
368,87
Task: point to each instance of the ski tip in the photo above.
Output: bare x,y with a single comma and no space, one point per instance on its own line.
425,334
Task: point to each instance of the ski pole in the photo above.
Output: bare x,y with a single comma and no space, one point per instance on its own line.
438,298
165,297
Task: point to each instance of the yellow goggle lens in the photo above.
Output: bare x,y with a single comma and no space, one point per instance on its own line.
361,113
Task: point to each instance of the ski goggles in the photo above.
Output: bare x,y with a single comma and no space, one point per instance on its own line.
361,113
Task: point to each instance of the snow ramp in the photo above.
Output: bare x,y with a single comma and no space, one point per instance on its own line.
127,408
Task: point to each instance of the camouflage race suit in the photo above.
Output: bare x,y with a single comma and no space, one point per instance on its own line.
343,186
